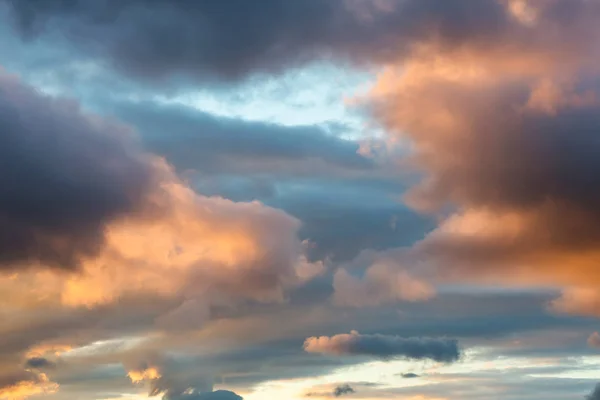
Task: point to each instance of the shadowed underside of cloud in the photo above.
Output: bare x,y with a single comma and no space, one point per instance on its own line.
157,39
64,176
384,346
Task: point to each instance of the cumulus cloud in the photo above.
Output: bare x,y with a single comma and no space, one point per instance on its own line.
385,346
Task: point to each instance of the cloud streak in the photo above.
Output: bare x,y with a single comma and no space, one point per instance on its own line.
385,347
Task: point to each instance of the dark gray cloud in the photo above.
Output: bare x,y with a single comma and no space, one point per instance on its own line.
39,363
216,395
595,395
192,139
64,174
409,375
158,39
343,390
385,346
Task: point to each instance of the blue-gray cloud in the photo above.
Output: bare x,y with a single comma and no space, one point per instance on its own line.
595,395
385,346
228,40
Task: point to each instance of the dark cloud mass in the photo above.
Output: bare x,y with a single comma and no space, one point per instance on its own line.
409,375
385,346
213,38
39,363
63,176
595,395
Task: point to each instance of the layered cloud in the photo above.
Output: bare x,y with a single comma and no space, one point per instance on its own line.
384,346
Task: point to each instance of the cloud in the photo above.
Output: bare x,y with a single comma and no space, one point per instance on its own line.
380,285
503,138
216,395
24,384
343,390
39,363
595,395
384,346
337,391
162,39
594,340
409,375
124,218
583,301
203,142
76,174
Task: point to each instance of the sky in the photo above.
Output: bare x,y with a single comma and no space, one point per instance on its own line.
299,200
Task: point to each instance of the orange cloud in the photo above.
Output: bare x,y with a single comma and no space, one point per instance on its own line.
23,389
183,244
503,135
147,374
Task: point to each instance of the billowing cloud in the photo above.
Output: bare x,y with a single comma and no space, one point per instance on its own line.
38,363
384,346
124,217
76,173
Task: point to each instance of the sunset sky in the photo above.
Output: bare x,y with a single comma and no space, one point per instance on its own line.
299,199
